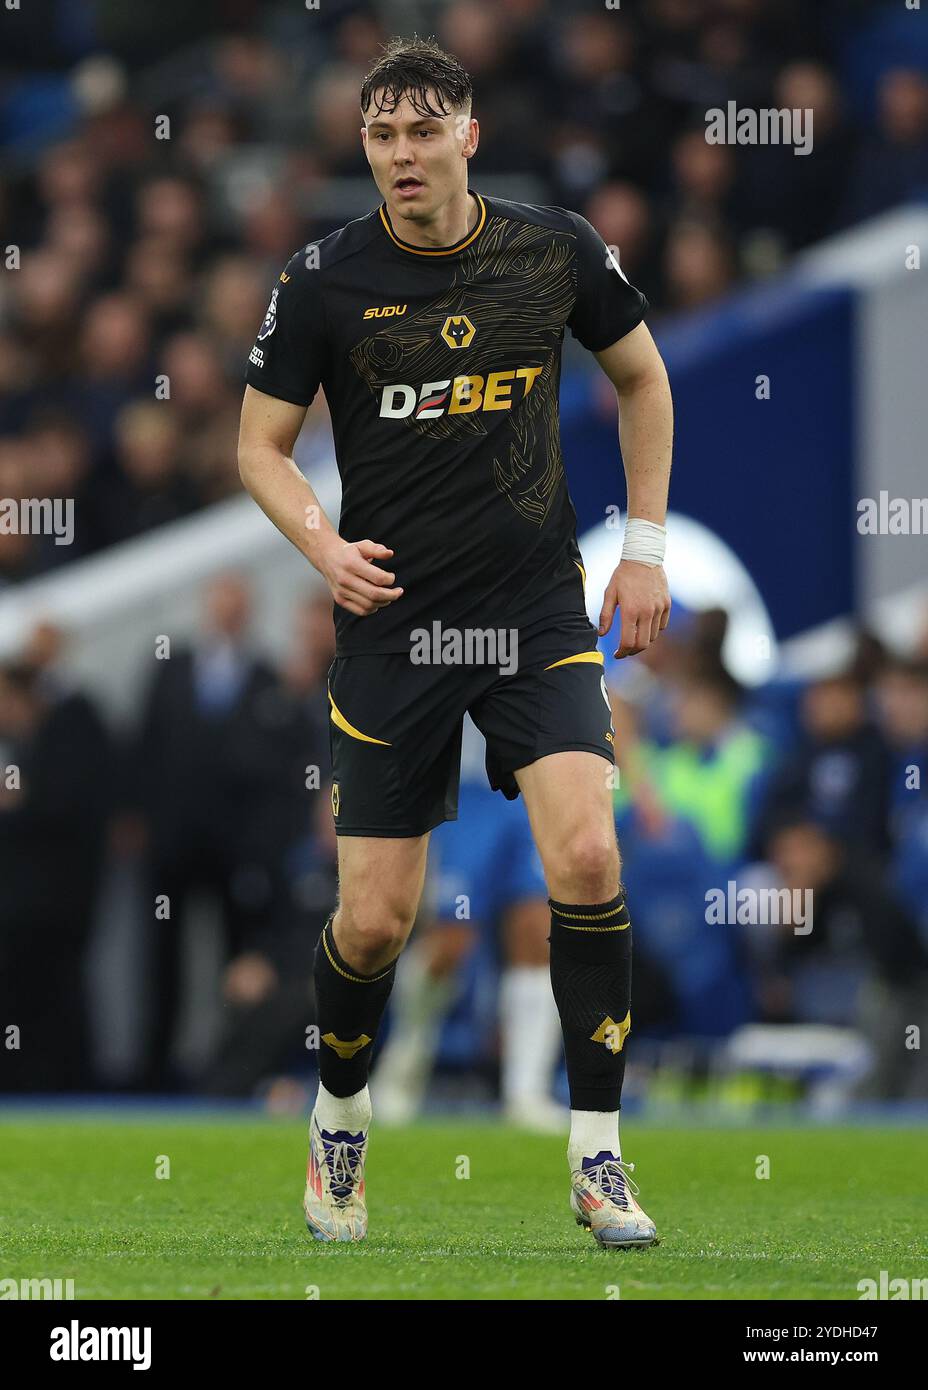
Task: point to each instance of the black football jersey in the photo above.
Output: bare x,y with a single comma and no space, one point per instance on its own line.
441,370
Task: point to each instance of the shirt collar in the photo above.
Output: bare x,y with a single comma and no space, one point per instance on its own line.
437,250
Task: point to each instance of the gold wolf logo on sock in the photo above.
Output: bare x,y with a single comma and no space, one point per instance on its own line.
613,1034
346,1050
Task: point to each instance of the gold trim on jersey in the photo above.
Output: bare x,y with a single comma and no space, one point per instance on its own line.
444,250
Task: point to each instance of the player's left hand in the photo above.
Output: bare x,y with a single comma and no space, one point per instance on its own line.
642,597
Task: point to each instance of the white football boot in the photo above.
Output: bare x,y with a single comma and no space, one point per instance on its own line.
602,1198
334,1200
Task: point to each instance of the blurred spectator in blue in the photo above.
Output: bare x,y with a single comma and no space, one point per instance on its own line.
902,700
902,705
840,770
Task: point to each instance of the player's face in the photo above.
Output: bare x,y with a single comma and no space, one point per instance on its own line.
418,162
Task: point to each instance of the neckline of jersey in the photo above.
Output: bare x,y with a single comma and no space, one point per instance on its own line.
438,250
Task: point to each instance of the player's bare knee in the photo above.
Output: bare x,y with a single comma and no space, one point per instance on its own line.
588,868
371,935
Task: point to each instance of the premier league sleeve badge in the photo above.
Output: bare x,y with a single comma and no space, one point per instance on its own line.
270,318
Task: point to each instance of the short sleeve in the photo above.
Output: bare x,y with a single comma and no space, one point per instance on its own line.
289,355
607,306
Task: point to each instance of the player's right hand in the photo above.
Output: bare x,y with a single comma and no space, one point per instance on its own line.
356,583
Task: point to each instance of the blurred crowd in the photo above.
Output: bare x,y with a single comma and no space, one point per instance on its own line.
220,794
776,843
154,178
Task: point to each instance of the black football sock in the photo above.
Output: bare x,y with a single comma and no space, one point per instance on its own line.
591,978
350,1007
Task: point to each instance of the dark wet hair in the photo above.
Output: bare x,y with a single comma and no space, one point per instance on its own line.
410,67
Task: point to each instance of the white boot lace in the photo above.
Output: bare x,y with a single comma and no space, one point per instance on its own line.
344,1162
613,1180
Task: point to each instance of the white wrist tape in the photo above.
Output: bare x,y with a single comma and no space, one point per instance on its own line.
644,542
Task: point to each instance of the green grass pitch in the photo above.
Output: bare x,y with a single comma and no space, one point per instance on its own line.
81,1200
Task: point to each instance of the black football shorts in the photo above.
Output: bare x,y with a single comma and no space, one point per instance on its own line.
395,726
